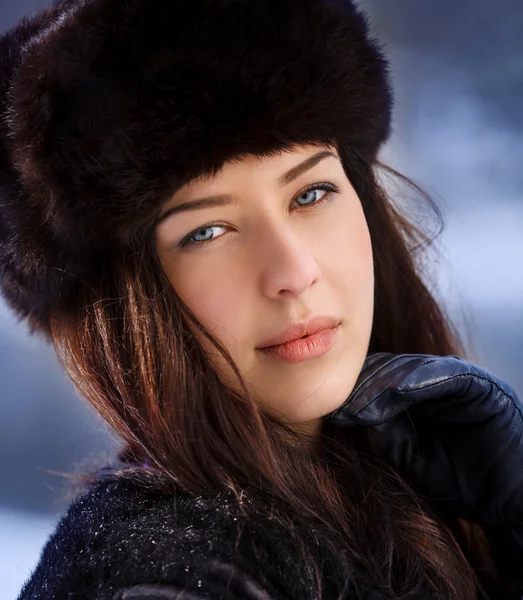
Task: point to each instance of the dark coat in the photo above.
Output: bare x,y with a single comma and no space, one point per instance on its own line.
122,541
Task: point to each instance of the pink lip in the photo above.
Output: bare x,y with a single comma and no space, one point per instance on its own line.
300,330
309,347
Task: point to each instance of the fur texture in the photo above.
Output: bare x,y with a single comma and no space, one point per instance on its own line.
108,106
124,540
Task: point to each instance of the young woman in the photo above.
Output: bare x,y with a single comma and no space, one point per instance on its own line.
187,187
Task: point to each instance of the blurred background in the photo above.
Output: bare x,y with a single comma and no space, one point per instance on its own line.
458,133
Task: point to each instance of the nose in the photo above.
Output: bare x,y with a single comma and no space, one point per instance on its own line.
287,262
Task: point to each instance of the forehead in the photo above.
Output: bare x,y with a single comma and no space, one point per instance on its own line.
271,160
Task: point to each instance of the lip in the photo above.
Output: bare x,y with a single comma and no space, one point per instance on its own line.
299,330
312,346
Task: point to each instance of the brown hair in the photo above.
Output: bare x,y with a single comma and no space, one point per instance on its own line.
130,352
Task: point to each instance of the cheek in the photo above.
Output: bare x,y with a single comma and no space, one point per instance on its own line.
351,256
355,277
216,300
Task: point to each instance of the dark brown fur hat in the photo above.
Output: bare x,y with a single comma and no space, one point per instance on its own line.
108,106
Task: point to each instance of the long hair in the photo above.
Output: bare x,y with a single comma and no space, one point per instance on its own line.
130,353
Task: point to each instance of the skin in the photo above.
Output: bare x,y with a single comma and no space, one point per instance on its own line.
276,256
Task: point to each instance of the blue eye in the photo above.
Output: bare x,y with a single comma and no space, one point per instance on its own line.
328,188
312,191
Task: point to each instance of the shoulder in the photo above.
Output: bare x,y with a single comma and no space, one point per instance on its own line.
122,540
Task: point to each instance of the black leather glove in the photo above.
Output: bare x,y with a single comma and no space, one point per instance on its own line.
455,431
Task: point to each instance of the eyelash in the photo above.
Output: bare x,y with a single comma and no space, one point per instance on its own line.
327,187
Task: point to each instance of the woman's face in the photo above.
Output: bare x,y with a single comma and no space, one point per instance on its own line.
274,255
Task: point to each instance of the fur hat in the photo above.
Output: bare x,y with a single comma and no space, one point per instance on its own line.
108,106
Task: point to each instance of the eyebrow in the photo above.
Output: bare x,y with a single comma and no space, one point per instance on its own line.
227,199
